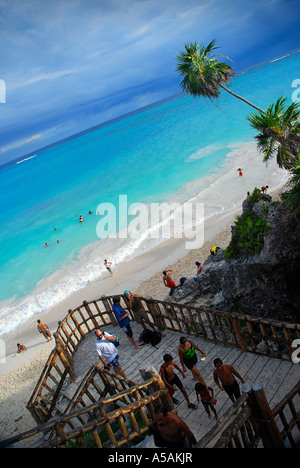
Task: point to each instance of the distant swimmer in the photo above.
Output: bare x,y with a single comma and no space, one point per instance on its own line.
240,171
108,265
80,219
46,244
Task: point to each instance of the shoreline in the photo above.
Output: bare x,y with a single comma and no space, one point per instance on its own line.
142,274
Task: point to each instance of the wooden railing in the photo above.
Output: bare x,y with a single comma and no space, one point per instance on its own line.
107,411
248,333
256,425
288,417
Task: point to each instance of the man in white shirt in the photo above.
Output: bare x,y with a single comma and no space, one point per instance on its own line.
107,352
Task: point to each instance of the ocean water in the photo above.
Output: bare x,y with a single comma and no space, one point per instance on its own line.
183,149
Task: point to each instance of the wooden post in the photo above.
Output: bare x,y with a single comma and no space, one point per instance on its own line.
264,419
110,313
149,373
239,334
67,365
155,313
90,314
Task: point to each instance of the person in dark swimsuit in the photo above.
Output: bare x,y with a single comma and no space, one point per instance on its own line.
188,358
170,379
108,265
224,374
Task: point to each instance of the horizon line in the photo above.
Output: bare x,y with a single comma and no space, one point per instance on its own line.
136,111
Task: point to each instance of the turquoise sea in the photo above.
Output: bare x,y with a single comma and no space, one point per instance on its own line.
180,149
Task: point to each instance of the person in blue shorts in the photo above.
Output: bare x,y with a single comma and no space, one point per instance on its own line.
107,352
123,319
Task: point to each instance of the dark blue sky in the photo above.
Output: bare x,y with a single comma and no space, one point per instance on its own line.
68,65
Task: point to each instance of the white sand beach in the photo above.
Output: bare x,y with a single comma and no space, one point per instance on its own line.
143,275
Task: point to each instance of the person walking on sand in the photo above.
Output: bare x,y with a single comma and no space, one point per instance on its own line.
44,329
123,319
168,281
108,266
188,358
170,379
225,380
240,171
170,431
206,395
107,352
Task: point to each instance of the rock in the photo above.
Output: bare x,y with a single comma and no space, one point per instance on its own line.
263,285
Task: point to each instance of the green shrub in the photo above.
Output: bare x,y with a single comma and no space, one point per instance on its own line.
248,238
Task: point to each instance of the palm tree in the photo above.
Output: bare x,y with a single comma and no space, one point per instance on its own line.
292,196
203,75
279,132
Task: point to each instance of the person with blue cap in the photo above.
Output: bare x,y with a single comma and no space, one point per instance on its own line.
123,319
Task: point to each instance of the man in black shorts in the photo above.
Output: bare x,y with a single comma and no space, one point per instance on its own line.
170,379
225,380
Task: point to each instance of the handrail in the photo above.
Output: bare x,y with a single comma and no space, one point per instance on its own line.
132,399
252,334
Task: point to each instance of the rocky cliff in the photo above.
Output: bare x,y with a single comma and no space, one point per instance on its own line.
264,285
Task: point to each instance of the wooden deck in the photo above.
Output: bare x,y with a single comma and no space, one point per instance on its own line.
277,376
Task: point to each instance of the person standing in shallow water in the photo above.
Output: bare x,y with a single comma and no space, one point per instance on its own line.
108,265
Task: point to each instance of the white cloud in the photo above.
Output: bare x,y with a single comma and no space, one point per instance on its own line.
50,76
20,143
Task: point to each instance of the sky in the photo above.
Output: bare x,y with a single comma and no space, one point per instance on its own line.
69,65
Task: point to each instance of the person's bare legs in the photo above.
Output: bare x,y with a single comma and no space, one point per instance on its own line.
133,343
197,375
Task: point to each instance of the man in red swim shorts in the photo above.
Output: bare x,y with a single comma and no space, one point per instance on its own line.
168,282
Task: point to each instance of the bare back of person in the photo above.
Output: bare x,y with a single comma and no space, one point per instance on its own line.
171,428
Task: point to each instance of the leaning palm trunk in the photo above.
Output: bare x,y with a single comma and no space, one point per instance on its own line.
242,99
278,127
